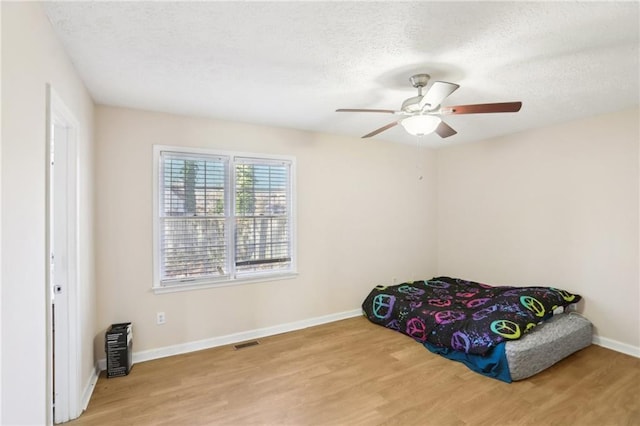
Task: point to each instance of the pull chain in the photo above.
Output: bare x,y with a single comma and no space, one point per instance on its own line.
418,162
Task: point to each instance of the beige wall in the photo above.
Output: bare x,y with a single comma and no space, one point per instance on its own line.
31,58
556,206
0,224
363,217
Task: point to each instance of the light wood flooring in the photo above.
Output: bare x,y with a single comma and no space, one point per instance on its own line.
353,372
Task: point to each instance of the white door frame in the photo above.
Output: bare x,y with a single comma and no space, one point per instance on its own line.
63,272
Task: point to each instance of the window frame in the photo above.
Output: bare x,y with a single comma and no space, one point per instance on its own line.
233,277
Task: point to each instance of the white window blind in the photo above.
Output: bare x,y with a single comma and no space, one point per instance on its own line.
192,217
262,206
221,218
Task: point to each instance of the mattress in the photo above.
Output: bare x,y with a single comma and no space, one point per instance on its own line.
552,341
504,332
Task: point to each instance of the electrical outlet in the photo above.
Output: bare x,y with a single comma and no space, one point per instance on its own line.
160,318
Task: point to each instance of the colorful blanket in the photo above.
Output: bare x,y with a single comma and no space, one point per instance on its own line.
463,315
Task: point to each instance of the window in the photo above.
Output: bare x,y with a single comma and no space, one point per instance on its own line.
221,218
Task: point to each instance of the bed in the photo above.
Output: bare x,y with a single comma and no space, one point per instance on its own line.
507,333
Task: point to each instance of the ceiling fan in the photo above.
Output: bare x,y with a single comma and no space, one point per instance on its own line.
421,114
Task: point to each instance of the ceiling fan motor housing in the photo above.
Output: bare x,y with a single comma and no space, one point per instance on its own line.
412,104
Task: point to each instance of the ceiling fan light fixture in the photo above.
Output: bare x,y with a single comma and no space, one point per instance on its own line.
421,114
419,125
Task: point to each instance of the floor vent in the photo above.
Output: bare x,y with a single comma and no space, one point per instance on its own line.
246,344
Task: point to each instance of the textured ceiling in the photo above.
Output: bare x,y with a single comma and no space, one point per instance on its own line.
291,64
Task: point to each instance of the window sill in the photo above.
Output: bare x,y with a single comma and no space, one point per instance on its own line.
174,288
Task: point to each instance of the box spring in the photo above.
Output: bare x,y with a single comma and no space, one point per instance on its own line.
552,341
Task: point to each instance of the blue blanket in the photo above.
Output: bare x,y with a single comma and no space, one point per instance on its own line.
493,364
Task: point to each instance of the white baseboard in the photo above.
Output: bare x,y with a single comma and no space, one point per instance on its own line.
91,385
229,339
616,346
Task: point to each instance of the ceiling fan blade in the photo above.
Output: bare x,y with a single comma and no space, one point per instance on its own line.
482,108
436,94
444,130
380,130
388,111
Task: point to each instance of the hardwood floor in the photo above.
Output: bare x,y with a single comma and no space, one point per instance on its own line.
353,372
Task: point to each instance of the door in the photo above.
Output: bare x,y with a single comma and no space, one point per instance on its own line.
62,234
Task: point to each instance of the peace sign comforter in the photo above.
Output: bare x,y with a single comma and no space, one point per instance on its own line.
464,316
